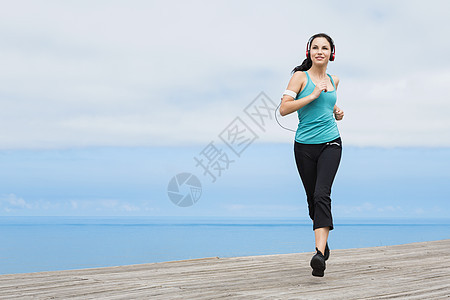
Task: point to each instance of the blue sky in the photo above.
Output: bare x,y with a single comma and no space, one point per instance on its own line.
104,102
263,182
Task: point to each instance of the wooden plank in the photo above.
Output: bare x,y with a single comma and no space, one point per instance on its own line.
411,271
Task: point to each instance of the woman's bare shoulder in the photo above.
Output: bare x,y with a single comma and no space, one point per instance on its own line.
297,81
335,79
299,75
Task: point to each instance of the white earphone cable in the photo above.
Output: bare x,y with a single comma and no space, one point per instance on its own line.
279,122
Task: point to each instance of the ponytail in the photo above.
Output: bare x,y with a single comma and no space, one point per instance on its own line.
305,66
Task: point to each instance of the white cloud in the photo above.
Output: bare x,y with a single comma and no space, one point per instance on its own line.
106,205
262,210
390,208
353,209
377,210
175,72
103,203
130,208
74,204
10,202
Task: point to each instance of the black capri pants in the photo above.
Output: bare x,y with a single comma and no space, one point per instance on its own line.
317,165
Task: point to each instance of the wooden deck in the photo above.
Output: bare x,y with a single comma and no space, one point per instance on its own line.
411,271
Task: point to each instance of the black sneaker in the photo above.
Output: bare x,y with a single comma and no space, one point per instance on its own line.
326,253
318,264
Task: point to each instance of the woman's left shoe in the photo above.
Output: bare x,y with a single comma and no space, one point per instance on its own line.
318,264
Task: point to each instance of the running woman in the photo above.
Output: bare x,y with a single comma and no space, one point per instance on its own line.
311,92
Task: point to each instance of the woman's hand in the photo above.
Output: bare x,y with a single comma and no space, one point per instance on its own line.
321,86
338,113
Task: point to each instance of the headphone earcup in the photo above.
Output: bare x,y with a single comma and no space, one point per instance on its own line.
332,57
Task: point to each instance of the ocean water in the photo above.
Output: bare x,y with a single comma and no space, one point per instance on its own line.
35,244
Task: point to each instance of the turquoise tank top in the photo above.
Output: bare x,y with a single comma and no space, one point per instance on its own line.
316,121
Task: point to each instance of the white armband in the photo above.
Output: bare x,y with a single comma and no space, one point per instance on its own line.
290,93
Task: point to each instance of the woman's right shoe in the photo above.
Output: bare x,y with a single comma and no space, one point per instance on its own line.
318,264
326,253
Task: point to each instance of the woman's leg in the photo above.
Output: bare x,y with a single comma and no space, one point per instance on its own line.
321,235
327,166
307,169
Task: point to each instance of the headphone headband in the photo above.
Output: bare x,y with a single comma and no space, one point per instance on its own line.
308,45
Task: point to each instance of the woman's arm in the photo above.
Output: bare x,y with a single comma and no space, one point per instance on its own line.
289,104
338,113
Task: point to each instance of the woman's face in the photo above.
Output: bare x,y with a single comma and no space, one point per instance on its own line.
320,51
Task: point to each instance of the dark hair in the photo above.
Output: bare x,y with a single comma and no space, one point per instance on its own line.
307,63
